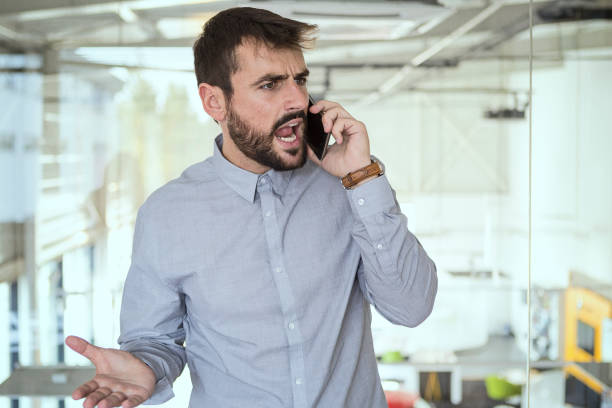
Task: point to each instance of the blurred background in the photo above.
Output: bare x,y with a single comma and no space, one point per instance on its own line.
493,121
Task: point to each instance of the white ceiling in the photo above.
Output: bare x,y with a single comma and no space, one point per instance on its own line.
387,43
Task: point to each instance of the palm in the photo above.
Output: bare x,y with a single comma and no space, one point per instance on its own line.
120,367
339,159
121,379
344,157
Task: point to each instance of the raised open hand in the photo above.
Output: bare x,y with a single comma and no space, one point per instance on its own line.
121,379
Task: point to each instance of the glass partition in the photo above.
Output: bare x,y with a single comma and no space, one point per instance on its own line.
81,149
454,135
571,203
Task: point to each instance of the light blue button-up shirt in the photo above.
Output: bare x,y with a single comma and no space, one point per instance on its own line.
262,284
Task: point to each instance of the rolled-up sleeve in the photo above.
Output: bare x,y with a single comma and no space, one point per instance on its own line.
152,313
395,273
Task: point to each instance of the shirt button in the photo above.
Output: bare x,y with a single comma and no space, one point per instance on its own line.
291,326
361,201
278,270
298,381
268,213
379,246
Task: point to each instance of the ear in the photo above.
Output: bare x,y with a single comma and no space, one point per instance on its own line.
213,101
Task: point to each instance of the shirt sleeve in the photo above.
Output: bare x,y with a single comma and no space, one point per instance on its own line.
152,313
395,273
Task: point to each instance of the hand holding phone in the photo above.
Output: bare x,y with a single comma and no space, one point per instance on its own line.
351,148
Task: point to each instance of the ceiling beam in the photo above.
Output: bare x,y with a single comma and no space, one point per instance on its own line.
13,35
427,54
85,7
16,41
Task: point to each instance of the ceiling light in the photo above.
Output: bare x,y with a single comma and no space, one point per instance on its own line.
127,14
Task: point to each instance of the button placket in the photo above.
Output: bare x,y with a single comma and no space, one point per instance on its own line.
285,292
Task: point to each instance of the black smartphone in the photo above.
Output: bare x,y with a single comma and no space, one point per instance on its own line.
316,137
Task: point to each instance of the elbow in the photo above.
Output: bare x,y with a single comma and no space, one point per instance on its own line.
423,309
420,307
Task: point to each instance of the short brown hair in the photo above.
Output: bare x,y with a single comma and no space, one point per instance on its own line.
215,49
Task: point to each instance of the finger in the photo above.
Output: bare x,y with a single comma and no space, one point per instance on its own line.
321,106
330,116
344,128
82,347
316,108
337,131
132,401
97,396
84,390
113,400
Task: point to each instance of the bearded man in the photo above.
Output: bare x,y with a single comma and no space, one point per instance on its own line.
257,267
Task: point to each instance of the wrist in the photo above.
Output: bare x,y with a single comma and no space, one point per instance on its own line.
358,166
362,175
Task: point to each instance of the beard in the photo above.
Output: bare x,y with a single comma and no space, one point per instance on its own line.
259,146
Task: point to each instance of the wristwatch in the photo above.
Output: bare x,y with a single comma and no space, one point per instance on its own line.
375,168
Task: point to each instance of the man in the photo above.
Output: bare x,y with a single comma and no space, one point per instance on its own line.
256,267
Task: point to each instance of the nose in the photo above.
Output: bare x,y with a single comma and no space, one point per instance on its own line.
296,97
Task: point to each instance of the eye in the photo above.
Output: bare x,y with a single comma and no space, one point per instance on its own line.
269,85
300,81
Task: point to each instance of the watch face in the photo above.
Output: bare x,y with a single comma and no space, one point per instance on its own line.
380,164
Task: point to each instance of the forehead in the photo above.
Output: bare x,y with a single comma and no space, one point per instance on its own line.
255,60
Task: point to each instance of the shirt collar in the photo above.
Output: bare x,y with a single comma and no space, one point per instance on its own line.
242,181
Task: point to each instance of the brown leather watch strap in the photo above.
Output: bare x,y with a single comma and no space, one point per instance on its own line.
356,177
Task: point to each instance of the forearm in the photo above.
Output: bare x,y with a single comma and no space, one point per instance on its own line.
396,275
153,330
166,358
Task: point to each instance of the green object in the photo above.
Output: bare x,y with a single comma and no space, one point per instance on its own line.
392,357
499,388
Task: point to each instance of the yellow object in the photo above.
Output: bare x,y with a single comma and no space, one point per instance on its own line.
433,391
584,377
589,308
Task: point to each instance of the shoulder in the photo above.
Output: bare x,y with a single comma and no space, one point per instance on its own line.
191,185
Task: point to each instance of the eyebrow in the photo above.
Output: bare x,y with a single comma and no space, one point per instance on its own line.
276,77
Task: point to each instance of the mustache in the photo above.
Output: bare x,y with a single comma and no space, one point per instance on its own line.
286,118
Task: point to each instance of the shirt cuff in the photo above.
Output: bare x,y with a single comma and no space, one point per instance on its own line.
163,388
373,197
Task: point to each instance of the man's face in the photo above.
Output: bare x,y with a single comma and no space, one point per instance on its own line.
267,113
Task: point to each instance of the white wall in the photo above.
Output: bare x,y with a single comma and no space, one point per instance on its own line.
572,172
471,212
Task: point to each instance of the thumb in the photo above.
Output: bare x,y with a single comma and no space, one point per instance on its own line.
82,347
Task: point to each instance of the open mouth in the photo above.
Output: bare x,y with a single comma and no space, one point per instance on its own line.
287,133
